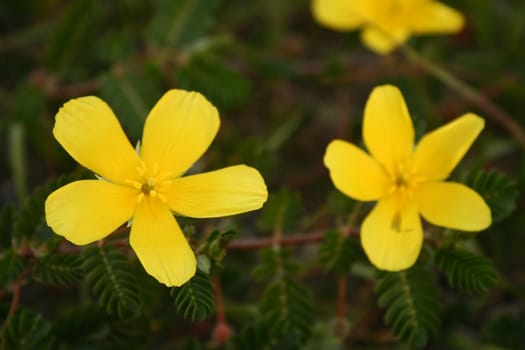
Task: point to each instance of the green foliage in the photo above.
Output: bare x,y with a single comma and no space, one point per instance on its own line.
500,192
215,246
29,217
195,299
273,263
466,271
281,212
132,94
210,77
410,300
59,269
177,23
11,266
337,252
27,330
109,275
87,321
286,306
72,37
257,337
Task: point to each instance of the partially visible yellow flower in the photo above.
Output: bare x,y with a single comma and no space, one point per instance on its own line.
386,24
406,181
147,187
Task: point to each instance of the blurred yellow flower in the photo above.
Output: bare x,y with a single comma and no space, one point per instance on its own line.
406,181
387,23
147,186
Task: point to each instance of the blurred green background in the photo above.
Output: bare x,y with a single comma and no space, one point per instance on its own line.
285,87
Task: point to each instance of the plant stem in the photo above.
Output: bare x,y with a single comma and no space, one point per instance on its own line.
298,239
469,93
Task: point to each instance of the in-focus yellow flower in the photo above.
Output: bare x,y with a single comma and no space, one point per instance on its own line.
406,181
147,187
387,23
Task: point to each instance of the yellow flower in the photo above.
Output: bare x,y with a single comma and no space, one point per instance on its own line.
406,181
387,23
147,186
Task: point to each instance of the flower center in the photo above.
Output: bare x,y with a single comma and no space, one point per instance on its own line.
149,183
148,186
403,180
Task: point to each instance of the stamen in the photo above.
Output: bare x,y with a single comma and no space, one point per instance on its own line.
133,183
140,197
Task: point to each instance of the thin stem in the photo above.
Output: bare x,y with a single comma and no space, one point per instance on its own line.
17,288
293,240
222,330
469,93
341,324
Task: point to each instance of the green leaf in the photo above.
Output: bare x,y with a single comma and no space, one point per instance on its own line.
11,267
109,274
210,77
500,193
27,330
337,252
177,23
281,212
411,303
195,299
466,271
215,247
59,269
286,306
29,218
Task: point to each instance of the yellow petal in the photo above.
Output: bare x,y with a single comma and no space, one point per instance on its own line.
438,152
391,235
89,131
160,244
354,172
383,41
453,205
387,129
88,210
435,17
337,14
228,191
178,131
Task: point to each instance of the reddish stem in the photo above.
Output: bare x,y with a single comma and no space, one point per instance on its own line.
297,239
222,330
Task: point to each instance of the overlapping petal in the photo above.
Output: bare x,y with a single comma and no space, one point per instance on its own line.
453,205
160,244
178,130
387,129
354,172
438,152
392,235
381,41
89,131
338,14
228,191
88,210
435,17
